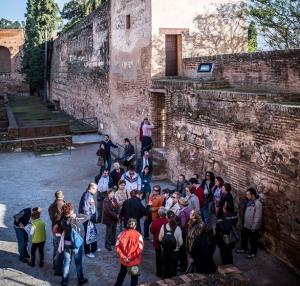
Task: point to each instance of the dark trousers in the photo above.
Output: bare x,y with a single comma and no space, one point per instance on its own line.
121,277
107,162
100,199
88,248
22,239
34,247
170,262
159,262
226,255
182,254
58,258
147,223
110,235
252,236
146,144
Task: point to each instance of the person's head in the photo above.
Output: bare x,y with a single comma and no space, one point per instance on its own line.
183,202
146,155
116,166
105,173
165,192
189,190
193,181
146,170
251,194
110,193
209,176
175,197
67,209
146,120
132,223
126,141
106,137
59,195
134,193
162,212
92,188
195,217
181,178
226,188
156,190
196,176
121,185
131,170
219,182
36,212
170,214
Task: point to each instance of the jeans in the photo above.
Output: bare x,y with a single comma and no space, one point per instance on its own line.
68,254
121,277
22,239
246,235
206,212
88,248
58,258
34,247
170,262
110,235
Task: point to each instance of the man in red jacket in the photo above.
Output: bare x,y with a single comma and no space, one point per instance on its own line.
198,191
129,247
155,229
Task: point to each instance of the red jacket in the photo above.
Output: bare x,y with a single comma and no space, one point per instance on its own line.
130,245
200,194
155,229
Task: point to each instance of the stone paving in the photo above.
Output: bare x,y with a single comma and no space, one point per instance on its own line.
28,180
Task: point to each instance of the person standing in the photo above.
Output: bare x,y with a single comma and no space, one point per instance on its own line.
37,229
251,224
102,188
146,130
110,218
207,185
101,153
115,176
175,205
143,162
170,237
70,226
217,192
87,207
146,179
22,218
155,229
192,199
132,179
133,208
129,154
129,247
198,191
226,201
55,214
121,196
108,144
181,184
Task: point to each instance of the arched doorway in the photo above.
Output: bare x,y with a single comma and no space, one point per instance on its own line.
5,60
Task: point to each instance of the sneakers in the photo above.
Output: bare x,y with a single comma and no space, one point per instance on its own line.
250,256
98,250
82,281
240,250
90,255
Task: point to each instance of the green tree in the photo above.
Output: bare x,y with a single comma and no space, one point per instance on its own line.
252,38
7,24
42,19
278,21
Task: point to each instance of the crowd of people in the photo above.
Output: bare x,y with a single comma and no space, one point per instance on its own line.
186,224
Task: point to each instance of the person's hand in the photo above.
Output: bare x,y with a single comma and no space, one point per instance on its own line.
21,225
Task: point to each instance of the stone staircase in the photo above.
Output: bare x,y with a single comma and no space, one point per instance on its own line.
159,160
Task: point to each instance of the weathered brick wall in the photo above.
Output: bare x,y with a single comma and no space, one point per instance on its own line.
274,70
247,139
79,68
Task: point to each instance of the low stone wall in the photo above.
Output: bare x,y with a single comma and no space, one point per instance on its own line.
250,140
274,70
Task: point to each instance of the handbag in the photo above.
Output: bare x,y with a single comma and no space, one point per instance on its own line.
232,237
100,161
91,233
77,240
134,270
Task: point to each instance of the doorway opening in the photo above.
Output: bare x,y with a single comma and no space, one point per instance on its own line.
171,55
159,117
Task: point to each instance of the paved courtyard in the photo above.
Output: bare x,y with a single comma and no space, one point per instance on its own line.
28,180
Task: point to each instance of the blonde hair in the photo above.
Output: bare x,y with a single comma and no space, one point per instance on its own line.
117,165
92,185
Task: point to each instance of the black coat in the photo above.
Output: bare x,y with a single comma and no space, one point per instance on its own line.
107,146
139,165
228,200
224,226
22,217
110,211
133,208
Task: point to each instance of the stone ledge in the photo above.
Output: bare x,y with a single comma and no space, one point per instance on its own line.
228,275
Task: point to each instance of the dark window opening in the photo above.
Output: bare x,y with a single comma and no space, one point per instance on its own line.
128,22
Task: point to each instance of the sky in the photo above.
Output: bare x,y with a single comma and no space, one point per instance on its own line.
14,10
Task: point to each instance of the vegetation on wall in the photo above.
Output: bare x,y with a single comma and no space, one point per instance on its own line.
252,38
7,24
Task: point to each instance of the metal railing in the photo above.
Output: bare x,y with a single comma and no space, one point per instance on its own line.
88,124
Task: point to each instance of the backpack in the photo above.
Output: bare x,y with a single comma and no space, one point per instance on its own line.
168,242
76,239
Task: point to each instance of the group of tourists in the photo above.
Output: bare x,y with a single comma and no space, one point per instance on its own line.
186,223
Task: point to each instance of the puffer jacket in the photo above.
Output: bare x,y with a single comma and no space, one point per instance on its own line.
253,215
130,245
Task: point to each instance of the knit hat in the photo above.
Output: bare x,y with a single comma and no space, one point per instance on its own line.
36,212
183,202
59,195
67,209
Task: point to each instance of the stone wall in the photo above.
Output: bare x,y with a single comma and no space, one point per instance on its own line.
274,70
249,140
13,82
79,68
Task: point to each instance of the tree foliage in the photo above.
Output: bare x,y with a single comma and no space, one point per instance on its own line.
7,24
74,10
278,21
42,19
252,38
